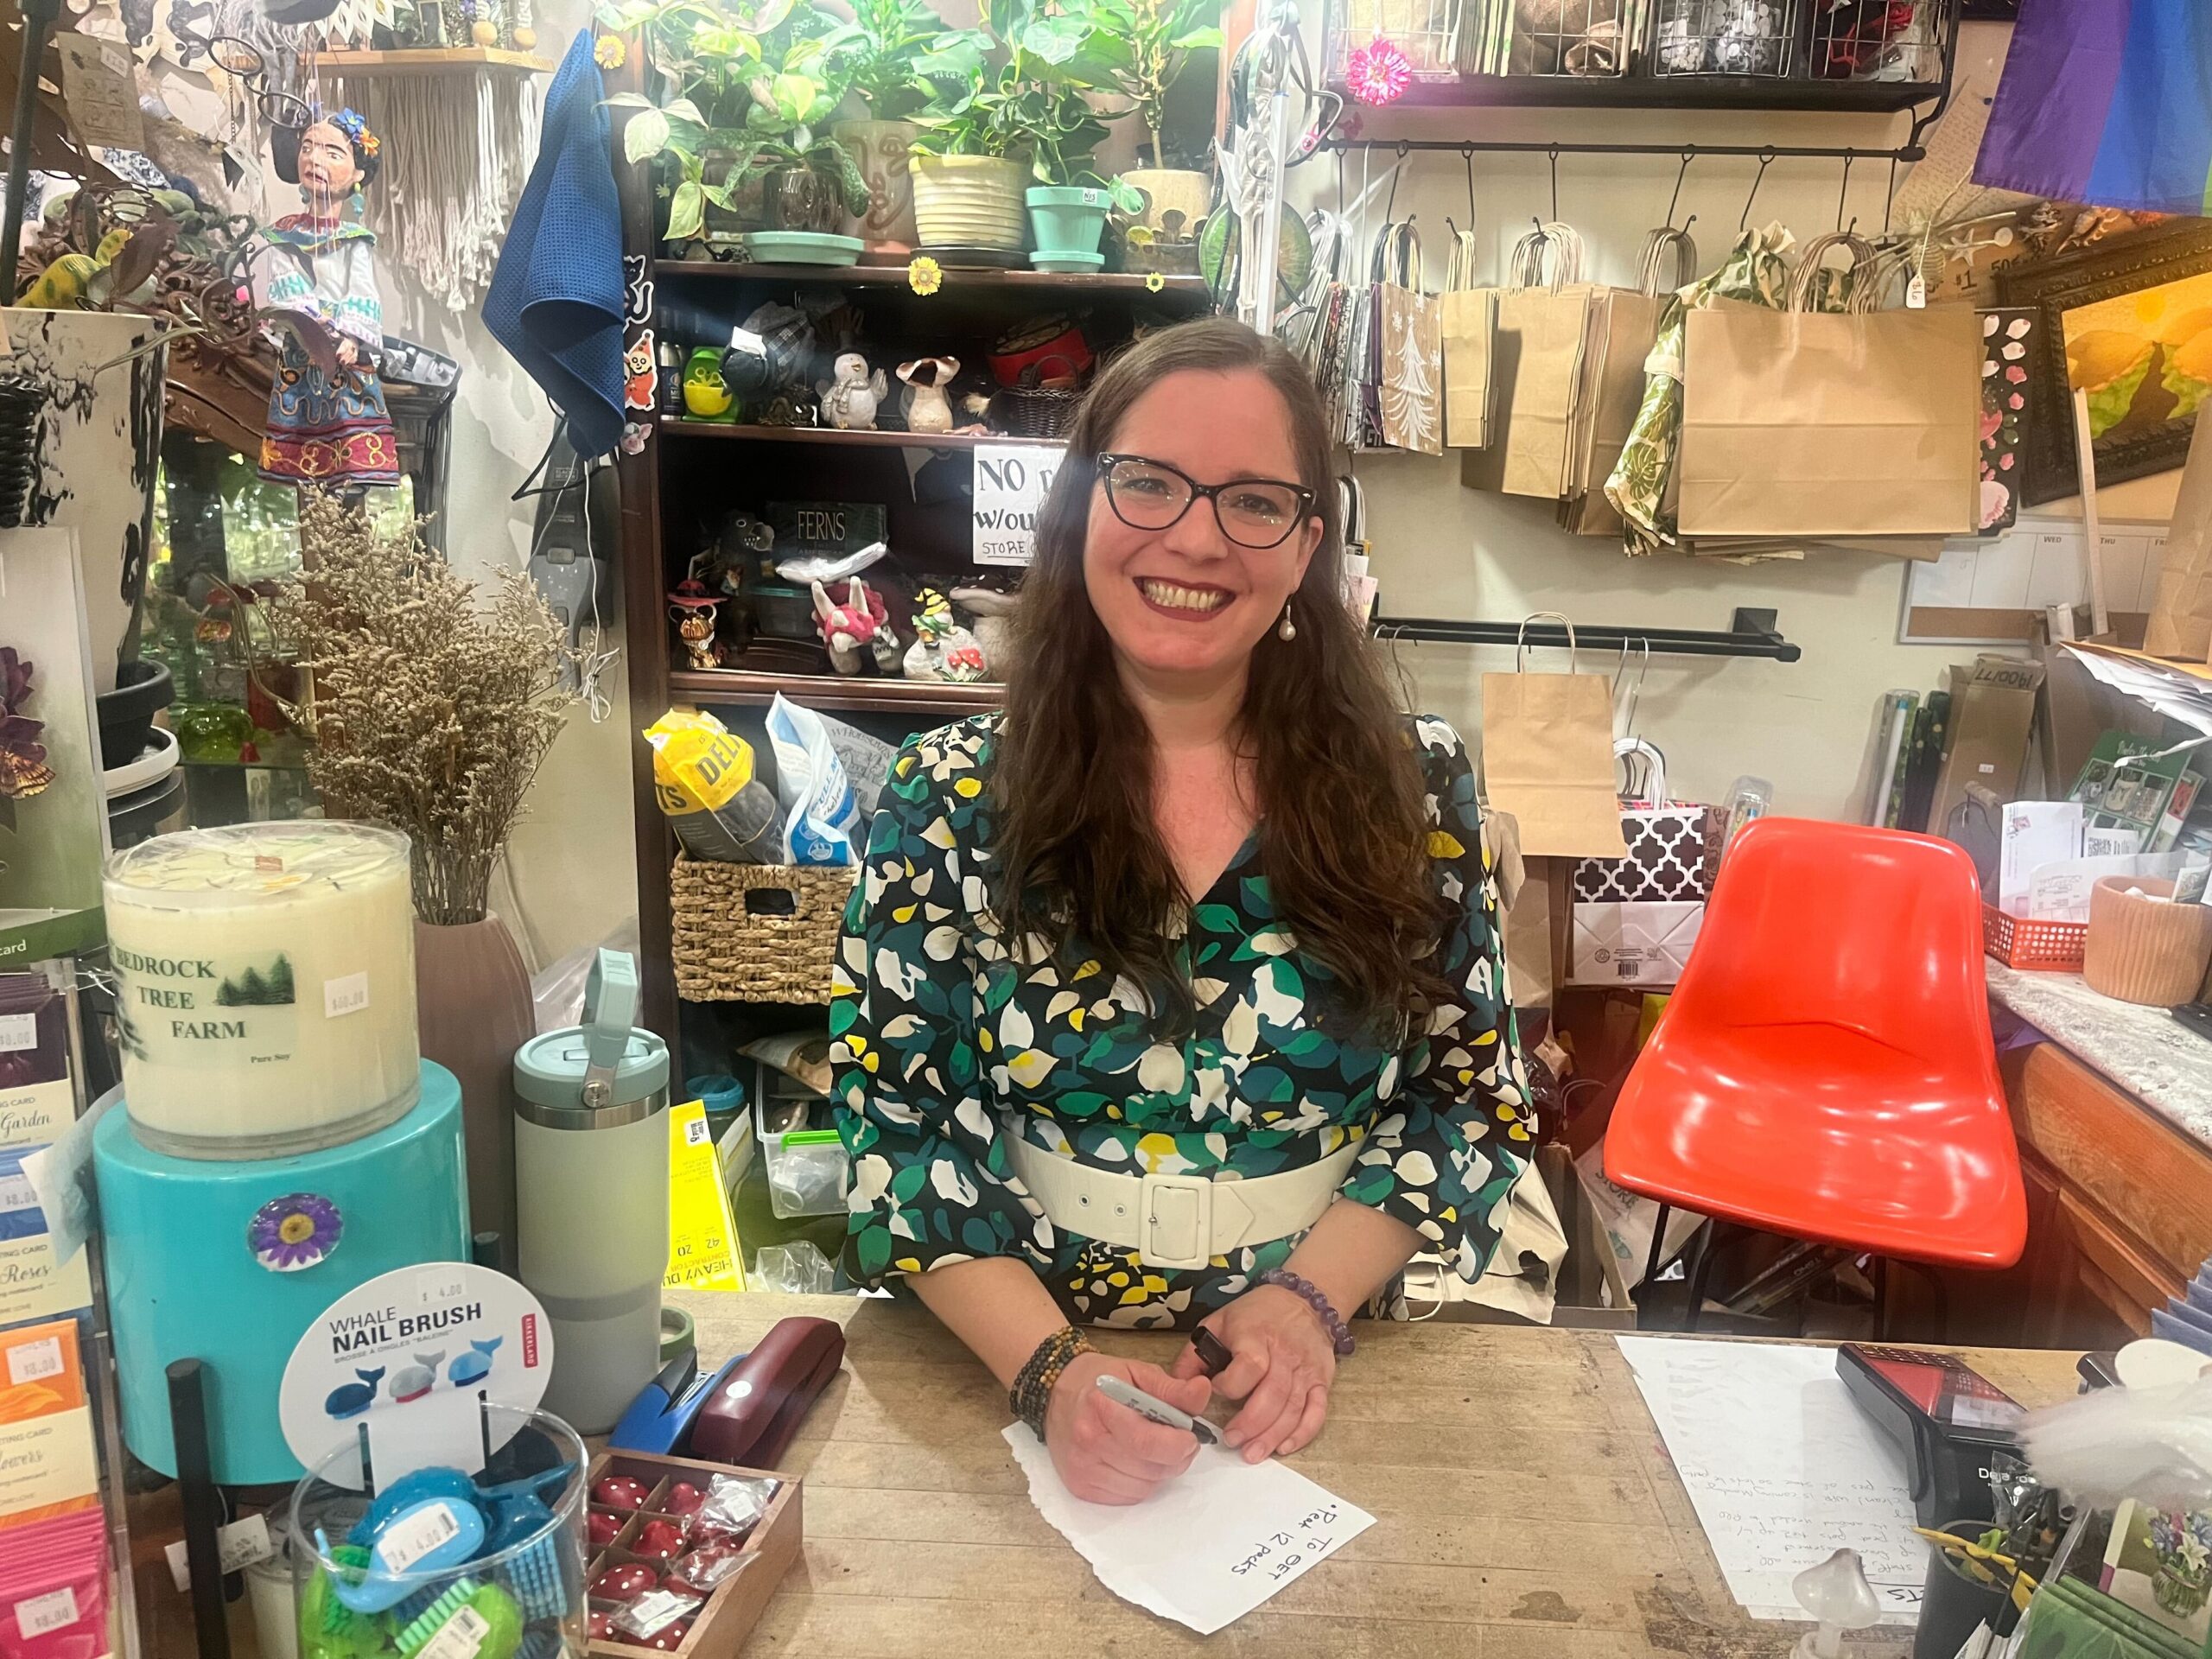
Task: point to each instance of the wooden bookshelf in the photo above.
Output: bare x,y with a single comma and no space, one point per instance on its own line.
433,61
675,426
838,692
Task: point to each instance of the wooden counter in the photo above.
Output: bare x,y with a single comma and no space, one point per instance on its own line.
1524,1506
2119,1176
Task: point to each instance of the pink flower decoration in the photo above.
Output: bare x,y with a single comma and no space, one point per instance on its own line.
2015,373
1990,421
2004,463
2017,401
1377,72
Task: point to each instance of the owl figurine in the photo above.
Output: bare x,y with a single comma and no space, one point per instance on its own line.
852,395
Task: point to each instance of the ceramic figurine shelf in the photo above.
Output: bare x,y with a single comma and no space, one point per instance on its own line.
676,427
433,61
834,692
1181,292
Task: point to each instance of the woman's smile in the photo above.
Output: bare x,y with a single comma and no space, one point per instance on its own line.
1185,601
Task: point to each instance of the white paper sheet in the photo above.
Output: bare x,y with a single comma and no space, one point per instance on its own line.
1205,1549
1783,1468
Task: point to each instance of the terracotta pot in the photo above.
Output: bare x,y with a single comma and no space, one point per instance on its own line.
881,149
472,1002
970,201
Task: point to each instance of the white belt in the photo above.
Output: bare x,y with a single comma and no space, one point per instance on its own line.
1177,1221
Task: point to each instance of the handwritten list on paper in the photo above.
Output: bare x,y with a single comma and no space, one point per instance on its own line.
1207,1548
1783,1468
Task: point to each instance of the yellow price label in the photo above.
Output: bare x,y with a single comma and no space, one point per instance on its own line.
702,1250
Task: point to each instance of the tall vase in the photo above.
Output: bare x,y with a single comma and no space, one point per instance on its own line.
880,150
472,1004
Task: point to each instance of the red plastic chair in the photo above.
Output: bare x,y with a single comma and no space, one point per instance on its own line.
1824,1069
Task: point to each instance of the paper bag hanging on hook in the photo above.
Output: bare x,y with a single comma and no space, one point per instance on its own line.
1795,424
1412,362
1468,318
1547,757
1542,319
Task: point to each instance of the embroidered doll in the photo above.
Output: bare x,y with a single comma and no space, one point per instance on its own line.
329,428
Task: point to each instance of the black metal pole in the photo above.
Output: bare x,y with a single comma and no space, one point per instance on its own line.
1669,642
1540,147
195,1477
39,17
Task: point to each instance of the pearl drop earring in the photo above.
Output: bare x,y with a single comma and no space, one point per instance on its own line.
1286,630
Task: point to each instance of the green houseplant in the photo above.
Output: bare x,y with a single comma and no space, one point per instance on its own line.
1162,234
743,142
892,53
1026,114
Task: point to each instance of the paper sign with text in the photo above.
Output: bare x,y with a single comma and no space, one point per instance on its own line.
1011,481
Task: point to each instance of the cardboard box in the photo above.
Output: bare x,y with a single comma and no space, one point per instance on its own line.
1992,714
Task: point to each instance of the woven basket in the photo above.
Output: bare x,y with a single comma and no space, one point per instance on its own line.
755,932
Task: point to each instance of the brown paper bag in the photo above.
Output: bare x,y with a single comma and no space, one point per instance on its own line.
1412,348
1547,758
1795,424
1549,329
1621,329
2181,614
1468,317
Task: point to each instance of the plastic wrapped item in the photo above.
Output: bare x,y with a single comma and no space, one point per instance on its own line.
703,777
557,991
798,1269
706,1569
821,821
867,761
53,1587
808,1170
735,1503
652,1613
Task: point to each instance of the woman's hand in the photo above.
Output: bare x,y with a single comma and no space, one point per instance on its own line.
1283,1367
1105,1452
348,352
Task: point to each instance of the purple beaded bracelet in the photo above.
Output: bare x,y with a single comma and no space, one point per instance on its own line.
1339,1332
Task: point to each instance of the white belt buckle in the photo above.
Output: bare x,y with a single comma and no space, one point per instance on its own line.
1175,1221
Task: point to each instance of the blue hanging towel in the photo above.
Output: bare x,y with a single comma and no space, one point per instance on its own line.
555,298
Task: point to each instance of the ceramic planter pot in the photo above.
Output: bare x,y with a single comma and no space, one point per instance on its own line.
473,1005
969,201
1066,219
882,150
1175,200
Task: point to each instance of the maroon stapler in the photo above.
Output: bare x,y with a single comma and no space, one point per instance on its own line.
750,1420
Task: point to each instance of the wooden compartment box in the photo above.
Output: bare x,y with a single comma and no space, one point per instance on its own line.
720,1627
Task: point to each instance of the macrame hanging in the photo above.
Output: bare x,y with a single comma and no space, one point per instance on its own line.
456,162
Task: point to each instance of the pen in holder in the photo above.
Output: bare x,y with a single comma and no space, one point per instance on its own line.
2142,946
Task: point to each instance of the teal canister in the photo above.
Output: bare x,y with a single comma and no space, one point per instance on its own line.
229,1263
591,1187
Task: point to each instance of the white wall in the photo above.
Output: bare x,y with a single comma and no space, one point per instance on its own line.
1444,551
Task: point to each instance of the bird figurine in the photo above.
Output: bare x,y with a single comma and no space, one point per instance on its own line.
924,404
850,397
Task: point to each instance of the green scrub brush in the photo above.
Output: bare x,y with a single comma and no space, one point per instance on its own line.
328,1628
470,1621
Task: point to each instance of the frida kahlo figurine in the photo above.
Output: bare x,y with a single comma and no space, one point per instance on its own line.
329,428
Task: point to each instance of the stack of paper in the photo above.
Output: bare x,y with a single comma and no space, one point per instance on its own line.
1783,1468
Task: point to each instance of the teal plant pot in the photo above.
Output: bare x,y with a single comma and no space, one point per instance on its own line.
1067,219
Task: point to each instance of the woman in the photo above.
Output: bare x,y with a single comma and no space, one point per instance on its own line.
1174,995
332,429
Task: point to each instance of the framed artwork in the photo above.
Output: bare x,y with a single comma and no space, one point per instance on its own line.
2134,314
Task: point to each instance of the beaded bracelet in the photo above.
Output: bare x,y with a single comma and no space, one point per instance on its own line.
1033,1385
1339,1332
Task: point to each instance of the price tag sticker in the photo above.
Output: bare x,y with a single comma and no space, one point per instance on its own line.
34,1362
440,1287
461,1637
410,1540
54,1610
696,1131
1915,292
343,996
18,1032
237,1547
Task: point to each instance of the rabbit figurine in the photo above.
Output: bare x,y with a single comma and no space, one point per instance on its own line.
850,398
926,407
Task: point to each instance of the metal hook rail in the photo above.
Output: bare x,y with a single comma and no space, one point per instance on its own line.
1749,633
1683,152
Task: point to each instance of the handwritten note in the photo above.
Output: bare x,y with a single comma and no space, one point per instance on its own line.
1204,1549
1783,1468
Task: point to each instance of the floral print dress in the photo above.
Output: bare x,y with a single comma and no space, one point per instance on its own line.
947,1041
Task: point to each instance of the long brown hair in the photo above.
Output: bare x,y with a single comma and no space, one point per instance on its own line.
1343,832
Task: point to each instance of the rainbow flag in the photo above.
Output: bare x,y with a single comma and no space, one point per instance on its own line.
2106,102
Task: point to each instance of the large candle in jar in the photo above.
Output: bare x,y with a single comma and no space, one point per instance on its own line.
265,986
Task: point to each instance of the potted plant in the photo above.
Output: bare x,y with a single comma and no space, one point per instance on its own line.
744,141
891,53
1029,115
1164,36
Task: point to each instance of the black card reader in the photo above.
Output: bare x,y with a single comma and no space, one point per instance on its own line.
1949,1418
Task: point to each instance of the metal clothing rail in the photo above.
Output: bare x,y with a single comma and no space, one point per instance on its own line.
1751,633
1686,153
